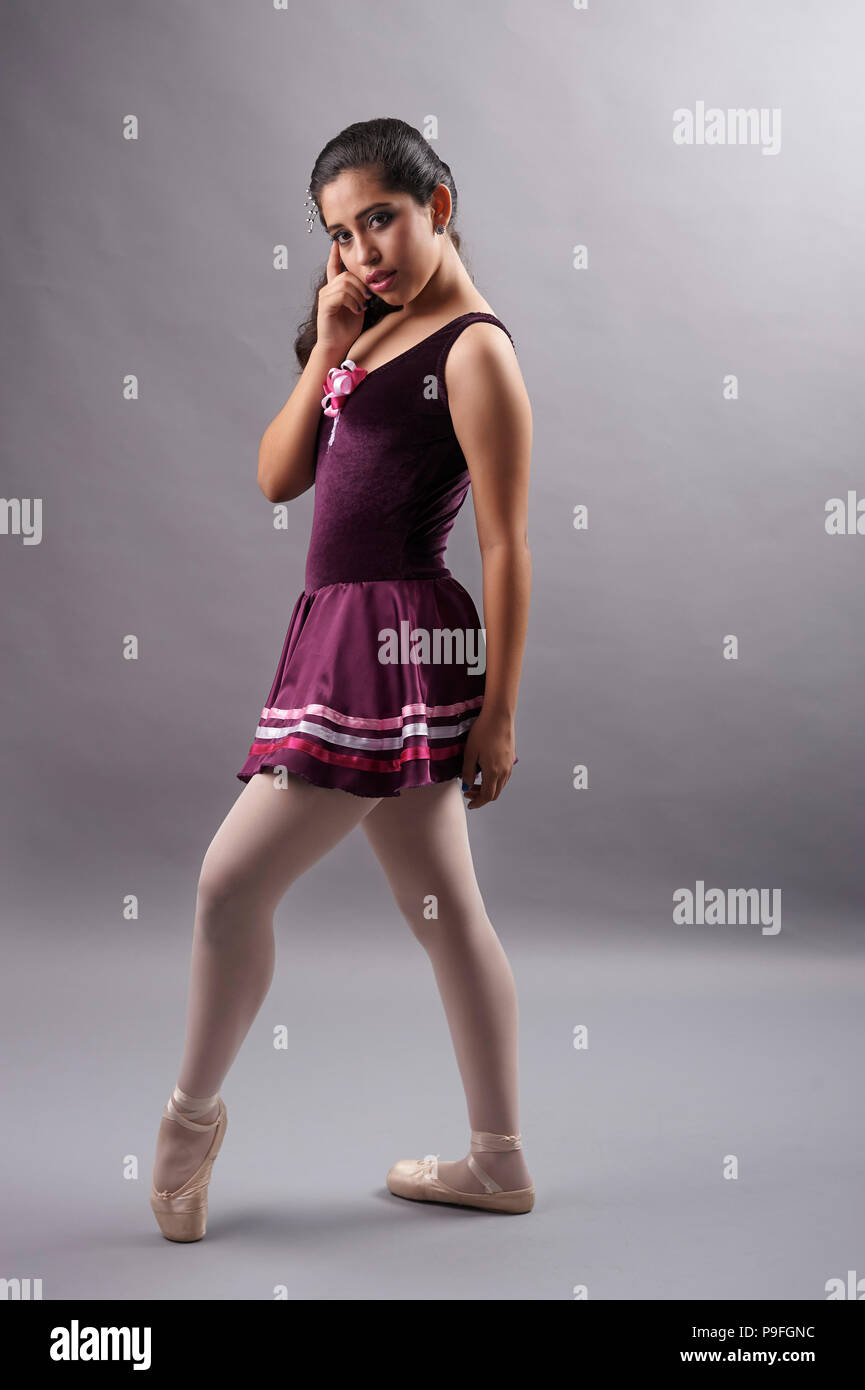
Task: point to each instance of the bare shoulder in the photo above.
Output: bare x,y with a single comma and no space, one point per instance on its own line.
482,357
482,337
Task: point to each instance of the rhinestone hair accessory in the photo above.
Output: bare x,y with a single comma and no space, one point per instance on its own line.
311,210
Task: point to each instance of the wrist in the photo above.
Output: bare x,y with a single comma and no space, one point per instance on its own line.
322,358
498,709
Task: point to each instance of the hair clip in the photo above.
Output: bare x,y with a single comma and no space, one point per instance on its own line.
311,211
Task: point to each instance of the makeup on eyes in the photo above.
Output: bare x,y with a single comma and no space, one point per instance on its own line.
388,218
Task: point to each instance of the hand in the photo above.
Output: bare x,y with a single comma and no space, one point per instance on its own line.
341,303
490,748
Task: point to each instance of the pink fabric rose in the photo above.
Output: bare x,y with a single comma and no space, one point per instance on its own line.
340,383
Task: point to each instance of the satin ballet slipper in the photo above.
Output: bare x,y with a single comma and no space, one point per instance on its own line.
182,1215
418,1179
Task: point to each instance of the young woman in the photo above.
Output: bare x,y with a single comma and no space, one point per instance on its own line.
384,694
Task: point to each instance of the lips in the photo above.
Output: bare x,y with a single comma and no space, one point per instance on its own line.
377,278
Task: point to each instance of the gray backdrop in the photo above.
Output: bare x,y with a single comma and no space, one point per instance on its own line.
705,264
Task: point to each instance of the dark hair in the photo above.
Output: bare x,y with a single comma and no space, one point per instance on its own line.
404,162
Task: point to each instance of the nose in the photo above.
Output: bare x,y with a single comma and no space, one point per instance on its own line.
366,254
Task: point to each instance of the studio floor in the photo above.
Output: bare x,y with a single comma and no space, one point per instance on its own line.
707,1143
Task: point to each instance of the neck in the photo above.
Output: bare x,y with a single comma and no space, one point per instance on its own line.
449,280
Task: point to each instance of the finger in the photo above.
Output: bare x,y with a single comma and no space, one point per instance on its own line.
487,792
354,300
358,288
356,280
345,296
333,260
484,792
475,796
469,772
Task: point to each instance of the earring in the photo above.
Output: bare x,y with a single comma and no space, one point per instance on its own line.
440,227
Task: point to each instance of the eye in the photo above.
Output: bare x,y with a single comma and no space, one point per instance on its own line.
388,216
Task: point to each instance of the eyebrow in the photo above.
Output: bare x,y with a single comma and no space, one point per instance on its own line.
363,212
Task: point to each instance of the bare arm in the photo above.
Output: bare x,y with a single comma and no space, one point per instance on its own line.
492,418
286,455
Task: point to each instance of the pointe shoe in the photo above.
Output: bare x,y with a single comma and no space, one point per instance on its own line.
418,1179
182,1215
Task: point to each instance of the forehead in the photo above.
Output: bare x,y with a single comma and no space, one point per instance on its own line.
352,190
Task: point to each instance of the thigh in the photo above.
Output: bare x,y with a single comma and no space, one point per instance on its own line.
277,828
421,840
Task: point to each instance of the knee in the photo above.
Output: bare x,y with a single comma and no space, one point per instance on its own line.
423,932
449,921
412,911
433,918
225,903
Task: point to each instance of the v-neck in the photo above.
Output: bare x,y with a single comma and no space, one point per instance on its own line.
423,341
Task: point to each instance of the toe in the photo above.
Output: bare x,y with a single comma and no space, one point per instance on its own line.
404,1177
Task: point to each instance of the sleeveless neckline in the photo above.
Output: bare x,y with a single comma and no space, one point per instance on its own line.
428,338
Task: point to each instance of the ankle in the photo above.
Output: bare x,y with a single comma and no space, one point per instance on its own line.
515,1161
193,1113
506,1165
195,1107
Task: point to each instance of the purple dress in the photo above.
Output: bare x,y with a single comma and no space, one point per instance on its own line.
381,674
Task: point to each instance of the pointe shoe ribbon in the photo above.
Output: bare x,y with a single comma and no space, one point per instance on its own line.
182,1214
418,1179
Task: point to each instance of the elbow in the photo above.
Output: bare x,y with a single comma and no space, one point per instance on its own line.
262,476
280,479
266,488
513,546
265,478
272,492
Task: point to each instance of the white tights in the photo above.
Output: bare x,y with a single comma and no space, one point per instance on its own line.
271,834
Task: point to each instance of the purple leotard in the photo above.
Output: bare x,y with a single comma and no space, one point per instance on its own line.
348,707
